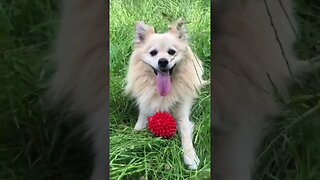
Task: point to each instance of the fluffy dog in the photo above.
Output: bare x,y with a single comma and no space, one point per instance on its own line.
247,55
81,75
165,75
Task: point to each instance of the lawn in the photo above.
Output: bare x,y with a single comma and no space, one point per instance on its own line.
137,155
36,144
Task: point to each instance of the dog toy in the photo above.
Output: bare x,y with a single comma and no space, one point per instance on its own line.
162,124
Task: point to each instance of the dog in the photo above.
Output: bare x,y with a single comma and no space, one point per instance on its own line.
80,76
248,61
165,75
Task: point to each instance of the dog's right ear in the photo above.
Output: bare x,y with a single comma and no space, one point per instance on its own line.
142,32
179,29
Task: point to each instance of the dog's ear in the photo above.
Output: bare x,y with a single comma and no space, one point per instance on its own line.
142,32
179,29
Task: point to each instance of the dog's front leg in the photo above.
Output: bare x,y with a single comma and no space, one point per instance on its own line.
185,127
142,120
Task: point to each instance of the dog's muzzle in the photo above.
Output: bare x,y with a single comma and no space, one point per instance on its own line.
164,71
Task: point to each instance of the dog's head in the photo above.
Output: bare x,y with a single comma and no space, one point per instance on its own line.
162,52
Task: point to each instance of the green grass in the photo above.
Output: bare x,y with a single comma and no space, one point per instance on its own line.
35,144
134,155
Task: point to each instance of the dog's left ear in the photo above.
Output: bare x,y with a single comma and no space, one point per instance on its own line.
142,32
179,29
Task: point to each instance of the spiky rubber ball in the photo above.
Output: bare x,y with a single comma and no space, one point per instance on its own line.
162,124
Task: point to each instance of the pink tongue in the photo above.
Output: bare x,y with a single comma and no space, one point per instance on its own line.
163,83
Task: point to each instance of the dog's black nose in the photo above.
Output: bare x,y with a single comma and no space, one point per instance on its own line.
163,62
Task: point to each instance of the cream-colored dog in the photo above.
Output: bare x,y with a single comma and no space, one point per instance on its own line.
81,75
164,75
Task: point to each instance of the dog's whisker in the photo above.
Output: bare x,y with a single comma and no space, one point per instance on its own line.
145,62
174,56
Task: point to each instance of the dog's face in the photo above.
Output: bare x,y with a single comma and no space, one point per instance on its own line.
162,52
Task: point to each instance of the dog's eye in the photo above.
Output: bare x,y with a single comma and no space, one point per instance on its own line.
153,52
171,52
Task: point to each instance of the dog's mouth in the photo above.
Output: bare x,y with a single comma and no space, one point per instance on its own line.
163,82
163,71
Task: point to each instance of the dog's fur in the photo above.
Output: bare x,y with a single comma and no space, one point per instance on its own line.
186,80
245,50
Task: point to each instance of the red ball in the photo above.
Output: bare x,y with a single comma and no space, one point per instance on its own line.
162,124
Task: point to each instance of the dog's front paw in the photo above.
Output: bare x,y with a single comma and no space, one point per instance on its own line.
191,159
140,125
